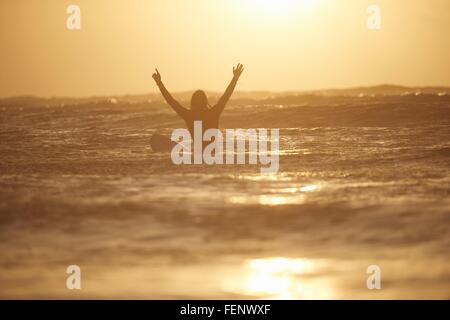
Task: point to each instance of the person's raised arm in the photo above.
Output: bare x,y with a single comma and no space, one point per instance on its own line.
168,97
237,71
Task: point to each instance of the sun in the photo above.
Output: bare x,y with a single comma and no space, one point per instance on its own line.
278,7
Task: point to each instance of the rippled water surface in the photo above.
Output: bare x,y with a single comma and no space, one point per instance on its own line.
81,185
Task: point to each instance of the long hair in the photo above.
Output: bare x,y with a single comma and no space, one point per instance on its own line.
199,101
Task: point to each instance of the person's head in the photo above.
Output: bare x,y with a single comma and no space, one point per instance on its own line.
199,101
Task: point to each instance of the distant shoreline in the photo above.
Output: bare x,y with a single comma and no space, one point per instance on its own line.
378,90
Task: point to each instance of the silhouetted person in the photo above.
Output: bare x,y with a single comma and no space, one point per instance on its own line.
199,110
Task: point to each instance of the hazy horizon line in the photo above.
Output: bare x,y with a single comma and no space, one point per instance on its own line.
385,86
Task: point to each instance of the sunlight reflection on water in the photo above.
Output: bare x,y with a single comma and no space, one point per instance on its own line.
278,196
280,278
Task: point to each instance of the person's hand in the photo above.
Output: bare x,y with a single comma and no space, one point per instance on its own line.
157,76
237,71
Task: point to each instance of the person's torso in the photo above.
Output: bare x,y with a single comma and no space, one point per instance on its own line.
208,118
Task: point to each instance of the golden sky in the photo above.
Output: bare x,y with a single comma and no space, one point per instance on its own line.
284,45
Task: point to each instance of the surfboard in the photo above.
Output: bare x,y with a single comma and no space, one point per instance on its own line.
160,143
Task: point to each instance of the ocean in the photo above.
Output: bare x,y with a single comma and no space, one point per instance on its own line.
363,180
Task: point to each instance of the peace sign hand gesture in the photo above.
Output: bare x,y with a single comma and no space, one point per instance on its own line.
237,71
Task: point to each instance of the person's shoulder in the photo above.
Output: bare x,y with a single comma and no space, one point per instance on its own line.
213,109
188,114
